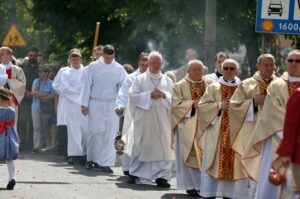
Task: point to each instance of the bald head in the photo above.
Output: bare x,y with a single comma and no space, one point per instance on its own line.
195,69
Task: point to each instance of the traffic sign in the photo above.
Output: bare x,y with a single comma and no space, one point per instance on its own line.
278,16
14,38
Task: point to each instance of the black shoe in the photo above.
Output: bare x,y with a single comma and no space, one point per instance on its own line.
96,165
209,198
36,150
106,169
11,184
161,182
193,192
126,173
71,161
131,179
89,165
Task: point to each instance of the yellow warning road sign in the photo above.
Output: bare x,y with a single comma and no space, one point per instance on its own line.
13,37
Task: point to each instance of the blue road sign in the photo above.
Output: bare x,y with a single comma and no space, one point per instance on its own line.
278,16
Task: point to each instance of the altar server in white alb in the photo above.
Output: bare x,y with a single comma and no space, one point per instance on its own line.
70,88
122,101
103,79
150,96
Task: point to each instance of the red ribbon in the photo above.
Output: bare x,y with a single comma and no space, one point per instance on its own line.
8,72
4,125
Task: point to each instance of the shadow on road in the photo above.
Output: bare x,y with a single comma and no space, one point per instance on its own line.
121,182
177,196
141,187
41,182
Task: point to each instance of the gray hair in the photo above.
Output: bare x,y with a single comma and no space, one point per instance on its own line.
265,56
232,61
296,51
155,53
190,63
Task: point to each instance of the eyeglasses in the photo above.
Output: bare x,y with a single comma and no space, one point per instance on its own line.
229,68
294,60
144,65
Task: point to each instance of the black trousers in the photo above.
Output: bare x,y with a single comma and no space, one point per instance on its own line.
62,138
25,128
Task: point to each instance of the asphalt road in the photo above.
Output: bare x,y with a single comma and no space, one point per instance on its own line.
48,176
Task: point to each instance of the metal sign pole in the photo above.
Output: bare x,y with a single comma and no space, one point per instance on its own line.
262,45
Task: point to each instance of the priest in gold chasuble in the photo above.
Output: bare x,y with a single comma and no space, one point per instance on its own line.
267,133
247,103
186,96
221,174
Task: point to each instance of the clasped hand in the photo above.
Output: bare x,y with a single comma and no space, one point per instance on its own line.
156,94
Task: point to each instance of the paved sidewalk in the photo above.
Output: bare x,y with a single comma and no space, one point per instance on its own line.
47,176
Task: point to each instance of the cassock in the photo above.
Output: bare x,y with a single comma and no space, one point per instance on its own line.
127,133
260,150
101,85
222,174
185,127
151,153
16,85
214,76
70,89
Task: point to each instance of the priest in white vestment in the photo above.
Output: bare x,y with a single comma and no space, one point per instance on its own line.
16,79
122,110
70,88
103,79
150,98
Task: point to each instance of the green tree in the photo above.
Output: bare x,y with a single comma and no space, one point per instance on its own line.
23,20
133,26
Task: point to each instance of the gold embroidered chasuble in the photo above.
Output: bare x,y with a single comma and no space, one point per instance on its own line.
222,162
184,94
269,123
240,126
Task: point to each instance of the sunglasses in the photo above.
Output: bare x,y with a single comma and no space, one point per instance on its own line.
294,60
229,68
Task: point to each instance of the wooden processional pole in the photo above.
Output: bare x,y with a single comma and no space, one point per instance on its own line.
96,38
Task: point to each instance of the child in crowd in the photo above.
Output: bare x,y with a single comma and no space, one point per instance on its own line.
9,143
